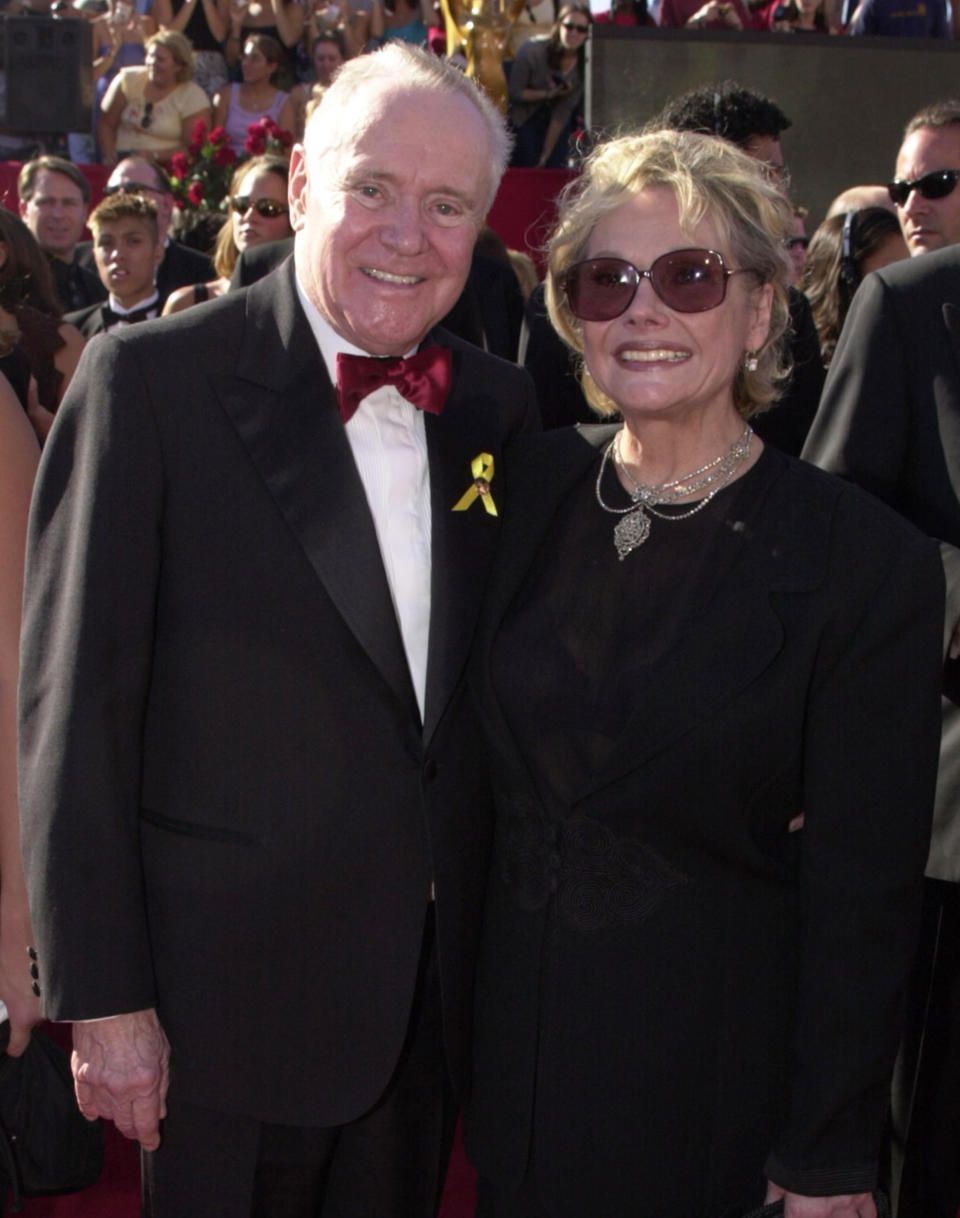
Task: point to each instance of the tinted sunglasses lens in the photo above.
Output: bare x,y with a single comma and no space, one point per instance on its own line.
690,281
268,208
600,289
578,29
937,185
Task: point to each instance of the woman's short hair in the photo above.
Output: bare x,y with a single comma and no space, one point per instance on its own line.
833,267
225,252
709,178
179,46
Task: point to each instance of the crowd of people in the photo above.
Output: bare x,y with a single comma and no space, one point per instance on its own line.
629,863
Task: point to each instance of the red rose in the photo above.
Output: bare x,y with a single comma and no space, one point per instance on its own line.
194,148
224,156
179,166
218,136
254,144
199,133
195,193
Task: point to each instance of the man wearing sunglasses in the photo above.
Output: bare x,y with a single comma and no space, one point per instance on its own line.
928,168
256,805
890,421
180,266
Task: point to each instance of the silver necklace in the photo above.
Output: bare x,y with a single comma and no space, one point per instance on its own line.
634,527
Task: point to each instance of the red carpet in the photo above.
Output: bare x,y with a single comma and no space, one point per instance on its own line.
117,1195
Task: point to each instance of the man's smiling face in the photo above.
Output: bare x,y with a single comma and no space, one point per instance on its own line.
386,218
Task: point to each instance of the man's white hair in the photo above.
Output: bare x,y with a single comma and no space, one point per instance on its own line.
400,66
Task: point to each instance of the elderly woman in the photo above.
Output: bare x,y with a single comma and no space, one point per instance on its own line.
151,110
709,677
258,214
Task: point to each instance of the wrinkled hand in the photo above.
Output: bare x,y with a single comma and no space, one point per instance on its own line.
121,1072
859,1205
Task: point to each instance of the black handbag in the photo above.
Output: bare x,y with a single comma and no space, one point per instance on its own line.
46,1144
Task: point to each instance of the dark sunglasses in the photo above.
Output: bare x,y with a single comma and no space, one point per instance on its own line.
687,281
147,115
130,188
268,208
935,185
797,243
572,25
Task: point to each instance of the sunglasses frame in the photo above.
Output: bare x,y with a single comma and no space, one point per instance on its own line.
904,188
578,29
648,274
262,206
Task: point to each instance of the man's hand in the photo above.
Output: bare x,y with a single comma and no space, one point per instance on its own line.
860,1205
121,1071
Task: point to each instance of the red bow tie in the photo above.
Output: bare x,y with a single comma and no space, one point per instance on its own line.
424,379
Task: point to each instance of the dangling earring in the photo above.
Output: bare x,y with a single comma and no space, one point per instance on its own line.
750,361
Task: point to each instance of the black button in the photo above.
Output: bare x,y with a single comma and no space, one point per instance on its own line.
429,770
36,989
34,972
32,953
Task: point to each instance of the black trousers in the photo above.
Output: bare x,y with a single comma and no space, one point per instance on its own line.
390,1163
926,1093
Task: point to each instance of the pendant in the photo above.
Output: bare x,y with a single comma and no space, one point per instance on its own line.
631,531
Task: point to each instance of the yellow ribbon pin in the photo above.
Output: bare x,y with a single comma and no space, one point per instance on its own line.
482,469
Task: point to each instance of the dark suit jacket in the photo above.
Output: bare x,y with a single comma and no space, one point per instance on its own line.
181,267
890,421
646,1001
231,808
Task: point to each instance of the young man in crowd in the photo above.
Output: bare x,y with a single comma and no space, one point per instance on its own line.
128,250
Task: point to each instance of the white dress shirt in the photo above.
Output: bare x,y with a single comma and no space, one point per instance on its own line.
389,443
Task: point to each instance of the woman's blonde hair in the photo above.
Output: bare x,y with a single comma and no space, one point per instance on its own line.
709,178
180,47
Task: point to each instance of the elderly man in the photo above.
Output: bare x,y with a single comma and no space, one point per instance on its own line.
924,190
180,266
54,202
255,810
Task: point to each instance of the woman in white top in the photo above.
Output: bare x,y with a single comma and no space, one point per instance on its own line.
151,110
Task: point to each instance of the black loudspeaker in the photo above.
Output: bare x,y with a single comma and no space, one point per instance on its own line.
49,74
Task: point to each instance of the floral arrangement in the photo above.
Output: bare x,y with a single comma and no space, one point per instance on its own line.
264,136
200,177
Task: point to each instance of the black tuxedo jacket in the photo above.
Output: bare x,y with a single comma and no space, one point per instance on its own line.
231,808
890,421
645,996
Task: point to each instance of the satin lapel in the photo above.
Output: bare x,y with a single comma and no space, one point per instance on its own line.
947,397
462,543
282,406
548,468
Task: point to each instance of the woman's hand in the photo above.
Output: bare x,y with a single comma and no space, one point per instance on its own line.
849,1205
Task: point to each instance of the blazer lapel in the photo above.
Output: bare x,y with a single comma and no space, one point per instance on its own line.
282,405
462,543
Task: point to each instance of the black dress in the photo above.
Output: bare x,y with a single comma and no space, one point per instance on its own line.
648,1043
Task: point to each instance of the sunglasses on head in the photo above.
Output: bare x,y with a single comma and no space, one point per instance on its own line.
687,281
935,185
268,208
573,26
